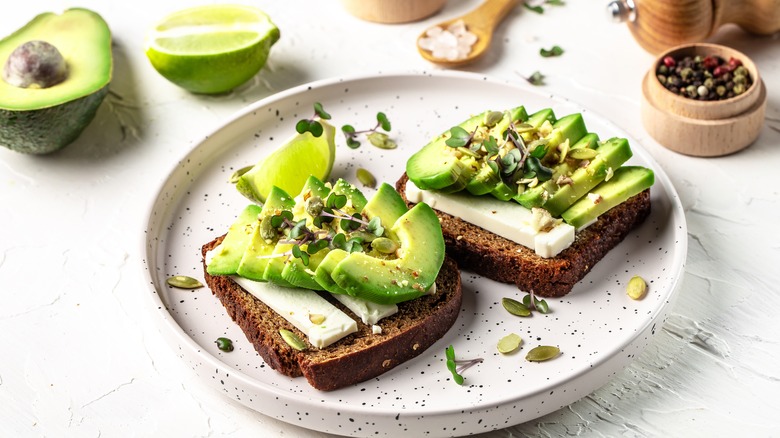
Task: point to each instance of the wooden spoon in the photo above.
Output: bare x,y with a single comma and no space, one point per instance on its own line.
482,21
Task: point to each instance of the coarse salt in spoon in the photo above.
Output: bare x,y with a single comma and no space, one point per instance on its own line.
462,40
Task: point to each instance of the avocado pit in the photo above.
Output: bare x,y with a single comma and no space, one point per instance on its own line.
35,64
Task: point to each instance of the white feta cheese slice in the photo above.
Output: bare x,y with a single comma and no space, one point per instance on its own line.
508,219
295,305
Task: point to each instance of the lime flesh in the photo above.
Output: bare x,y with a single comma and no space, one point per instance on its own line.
289,166
211,49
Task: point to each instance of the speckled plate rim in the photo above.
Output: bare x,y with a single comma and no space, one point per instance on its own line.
179,339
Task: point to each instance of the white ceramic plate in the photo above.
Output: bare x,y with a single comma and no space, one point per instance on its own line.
597,327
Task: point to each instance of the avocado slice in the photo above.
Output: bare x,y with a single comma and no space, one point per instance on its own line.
229,253
301,275
407,277
296,272
440,167
39,120
626,182
256,254
539,195
611,155
485,179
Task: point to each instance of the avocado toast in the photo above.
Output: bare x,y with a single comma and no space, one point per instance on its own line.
532,200
360,285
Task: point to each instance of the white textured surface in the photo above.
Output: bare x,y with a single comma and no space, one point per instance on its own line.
80,354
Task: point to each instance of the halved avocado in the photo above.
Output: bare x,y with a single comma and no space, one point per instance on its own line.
38,120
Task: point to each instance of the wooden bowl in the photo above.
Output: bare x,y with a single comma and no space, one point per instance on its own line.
393,11
703,128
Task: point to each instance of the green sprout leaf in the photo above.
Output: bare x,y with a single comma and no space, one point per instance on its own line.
452,366
459,137
278,220
317,246
542,172
375,226
539,151
335,200
491,146
298,253
339,241
321,113
381,118
299,229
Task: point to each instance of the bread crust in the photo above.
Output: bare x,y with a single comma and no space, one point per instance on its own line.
503,260
357,357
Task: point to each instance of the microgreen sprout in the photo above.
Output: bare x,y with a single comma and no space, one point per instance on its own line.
457,367
355,230
313,125
533,303
376,138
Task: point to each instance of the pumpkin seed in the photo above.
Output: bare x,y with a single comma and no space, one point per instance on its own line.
524,127
316,318
381,140
384,245
637,287
582,153
224,344
292,339
509,343
183,282
515,307
239,173
366,178
492,118
542,353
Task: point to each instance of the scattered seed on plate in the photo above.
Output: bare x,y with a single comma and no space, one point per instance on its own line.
183,282
366,178
515,307
542,353
509,343
637,287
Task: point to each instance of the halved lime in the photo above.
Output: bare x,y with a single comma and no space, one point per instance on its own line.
289,166
211,49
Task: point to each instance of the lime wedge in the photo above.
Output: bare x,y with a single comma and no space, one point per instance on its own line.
211,49
289,166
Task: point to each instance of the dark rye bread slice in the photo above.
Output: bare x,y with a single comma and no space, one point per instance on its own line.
500,259
357,357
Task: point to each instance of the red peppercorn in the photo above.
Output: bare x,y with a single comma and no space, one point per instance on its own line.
669,61
709,62
734,63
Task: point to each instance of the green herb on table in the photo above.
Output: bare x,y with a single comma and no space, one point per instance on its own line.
457,367
537,6
536,78
554,51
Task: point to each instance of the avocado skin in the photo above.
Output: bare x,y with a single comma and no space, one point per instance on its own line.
47,130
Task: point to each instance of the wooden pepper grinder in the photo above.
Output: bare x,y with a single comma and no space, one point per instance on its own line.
660,24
